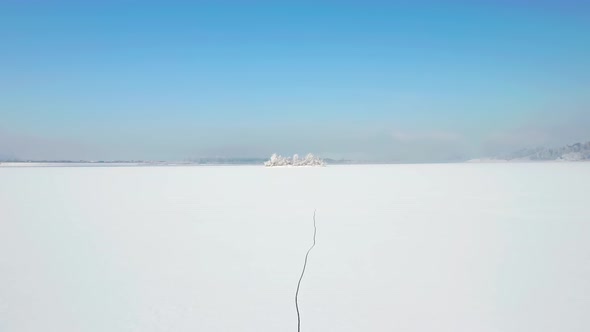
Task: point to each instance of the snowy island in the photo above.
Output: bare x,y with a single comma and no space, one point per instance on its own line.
309,160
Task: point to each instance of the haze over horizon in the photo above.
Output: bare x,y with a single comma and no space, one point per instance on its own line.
383,81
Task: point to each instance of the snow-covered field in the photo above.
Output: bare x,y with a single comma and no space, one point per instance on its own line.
451,247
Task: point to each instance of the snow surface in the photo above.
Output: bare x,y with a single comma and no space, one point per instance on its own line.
450,247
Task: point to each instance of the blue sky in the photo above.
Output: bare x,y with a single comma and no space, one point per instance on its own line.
401,81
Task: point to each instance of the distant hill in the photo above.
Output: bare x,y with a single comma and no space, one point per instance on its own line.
574,152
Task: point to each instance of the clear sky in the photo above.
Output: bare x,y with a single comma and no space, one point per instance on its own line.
373,80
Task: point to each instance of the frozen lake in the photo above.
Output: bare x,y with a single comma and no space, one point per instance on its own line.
450,247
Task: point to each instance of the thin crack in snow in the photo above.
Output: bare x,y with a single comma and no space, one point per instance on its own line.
302,273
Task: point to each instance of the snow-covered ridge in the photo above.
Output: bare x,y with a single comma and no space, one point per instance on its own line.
309,160
574,152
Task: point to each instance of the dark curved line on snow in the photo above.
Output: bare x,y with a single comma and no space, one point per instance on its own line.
302,273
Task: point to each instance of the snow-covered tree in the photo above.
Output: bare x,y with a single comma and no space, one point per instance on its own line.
309,160
276,160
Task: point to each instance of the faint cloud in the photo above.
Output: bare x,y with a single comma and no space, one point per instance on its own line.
439,136
428,146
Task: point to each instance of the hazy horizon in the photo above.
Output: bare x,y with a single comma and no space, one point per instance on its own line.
378,81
